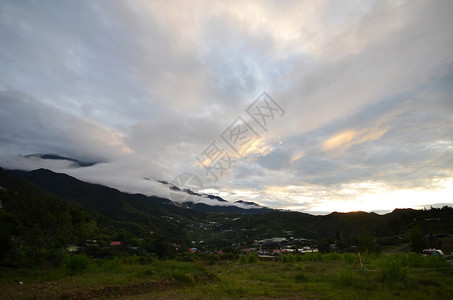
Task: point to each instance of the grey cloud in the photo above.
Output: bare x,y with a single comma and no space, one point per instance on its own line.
29,126
146,88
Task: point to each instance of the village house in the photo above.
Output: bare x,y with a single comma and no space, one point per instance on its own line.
116,244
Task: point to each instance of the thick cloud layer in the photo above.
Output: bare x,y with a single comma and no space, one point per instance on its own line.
146,87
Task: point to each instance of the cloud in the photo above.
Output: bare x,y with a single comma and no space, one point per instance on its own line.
30,126
145,87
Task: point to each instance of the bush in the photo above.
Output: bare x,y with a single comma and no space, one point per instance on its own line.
110,265
145,260
252,258
312,257
414,260
186,257
410,260
5,244
435,262
392,269
56,257
243,259
350,257
333,256
249,258
77,263
288,258
183,277
228,256
298,257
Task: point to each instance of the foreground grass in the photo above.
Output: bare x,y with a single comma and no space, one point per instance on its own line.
312,276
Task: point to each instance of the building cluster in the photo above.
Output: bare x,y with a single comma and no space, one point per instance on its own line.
278,246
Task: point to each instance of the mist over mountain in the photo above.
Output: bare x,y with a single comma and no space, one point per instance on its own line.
106,199
140,213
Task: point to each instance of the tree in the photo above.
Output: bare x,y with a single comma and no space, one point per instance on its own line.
324,246
417,241
366,242
5,243
158,247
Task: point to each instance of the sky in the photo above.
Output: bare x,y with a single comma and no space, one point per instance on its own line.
314,106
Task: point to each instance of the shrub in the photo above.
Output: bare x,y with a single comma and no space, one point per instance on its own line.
243,259
392,269
350,257
228,256
110,265
77,263
290,258
56,257
435,262
413,259
5,243
252,258
183,277
144,260
312,257
333,256
298,257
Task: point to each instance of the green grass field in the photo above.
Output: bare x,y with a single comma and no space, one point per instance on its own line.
405,276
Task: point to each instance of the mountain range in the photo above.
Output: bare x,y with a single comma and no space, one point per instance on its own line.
142,215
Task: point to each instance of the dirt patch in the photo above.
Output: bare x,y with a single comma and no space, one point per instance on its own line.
55,290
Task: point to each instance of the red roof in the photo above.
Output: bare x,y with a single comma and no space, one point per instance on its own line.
115,243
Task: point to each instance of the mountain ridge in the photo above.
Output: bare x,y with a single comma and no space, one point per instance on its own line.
160,215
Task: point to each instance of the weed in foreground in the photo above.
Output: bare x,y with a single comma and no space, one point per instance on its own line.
76,264
391,269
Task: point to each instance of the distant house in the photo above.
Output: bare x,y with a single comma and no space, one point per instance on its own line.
176,246
273,241
307,249
116,244
72,248
91,243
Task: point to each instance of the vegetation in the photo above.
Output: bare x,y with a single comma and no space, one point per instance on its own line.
405,276
41,224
